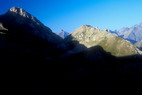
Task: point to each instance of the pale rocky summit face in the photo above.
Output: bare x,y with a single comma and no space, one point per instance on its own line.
21,12
90,37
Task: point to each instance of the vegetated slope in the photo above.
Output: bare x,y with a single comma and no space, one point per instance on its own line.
90,36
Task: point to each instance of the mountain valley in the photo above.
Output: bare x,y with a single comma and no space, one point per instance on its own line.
33,58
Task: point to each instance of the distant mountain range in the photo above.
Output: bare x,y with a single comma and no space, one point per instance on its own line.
33,58
133,34
139,45
63,34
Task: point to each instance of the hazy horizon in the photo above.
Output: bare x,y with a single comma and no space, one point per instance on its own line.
71,14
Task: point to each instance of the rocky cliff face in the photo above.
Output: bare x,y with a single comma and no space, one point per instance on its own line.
90,36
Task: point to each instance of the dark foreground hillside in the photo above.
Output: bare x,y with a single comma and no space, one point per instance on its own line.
79,72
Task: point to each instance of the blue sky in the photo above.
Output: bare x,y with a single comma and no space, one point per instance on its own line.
71,14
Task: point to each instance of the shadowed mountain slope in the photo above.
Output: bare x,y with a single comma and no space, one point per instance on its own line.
20,32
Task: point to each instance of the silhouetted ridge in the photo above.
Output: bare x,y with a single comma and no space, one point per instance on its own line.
20,18
23,33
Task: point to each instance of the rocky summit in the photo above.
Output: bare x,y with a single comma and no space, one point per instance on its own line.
90,36
21,12
63,34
